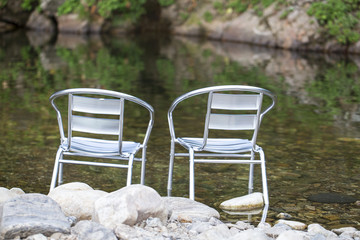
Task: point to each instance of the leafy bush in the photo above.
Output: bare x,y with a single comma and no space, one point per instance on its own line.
3,3
128,9
339,18
166,3
208,16
238,5
26,4
258,5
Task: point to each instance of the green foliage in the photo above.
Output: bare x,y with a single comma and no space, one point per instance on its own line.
219,6
166,3
29,4
184,15
128,9
258,5
238,5
68,6
340,18
208,16
26,4
285,13
131,9
3,3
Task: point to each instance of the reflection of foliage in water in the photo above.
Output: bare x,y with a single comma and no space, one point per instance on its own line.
337,86
105,69
26,85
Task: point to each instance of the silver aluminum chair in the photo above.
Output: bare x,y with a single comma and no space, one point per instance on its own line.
97,116
244,111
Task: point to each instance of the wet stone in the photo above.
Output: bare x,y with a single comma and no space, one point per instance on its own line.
332,198
284,216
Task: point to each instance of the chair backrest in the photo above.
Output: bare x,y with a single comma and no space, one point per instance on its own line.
87,111
231,107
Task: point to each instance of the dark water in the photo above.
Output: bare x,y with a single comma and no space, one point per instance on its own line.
311,139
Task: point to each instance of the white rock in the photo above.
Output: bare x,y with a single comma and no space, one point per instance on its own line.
153,222
219,232
6,194
187,210
240,225
292,235
263,225
200,227
87,230
36,237
344,229
129,205
17,191
250,201
250,234
30,214
346,236
275,231
317,236
318,229
293,224
125,232
76,199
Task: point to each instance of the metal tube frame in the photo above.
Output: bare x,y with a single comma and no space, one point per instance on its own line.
66,150
192,153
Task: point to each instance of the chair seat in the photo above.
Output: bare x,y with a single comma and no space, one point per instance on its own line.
218,145
101,147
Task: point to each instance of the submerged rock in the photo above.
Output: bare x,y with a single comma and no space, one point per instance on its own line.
332,198
250,201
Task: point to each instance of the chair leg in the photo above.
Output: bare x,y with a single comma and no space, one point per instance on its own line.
130,166
265,211
171,167
192,175
251,178
143,163
56,169
263,175
60,174
251,174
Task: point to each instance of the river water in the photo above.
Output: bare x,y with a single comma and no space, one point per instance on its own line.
311,138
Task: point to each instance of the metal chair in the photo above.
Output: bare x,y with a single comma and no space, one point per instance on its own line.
231,107
95,119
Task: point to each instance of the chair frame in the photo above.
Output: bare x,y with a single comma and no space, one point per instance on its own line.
193,152
65,142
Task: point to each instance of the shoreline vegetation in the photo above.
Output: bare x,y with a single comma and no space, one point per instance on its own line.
324,26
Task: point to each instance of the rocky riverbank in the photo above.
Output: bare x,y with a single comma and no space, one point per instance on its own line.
76,211
287,26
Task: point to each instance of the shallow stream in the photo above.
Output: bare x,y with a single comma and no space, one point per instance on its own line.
311,139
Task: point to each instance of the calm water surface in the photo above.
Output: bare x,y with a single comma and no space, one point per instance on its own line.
311,138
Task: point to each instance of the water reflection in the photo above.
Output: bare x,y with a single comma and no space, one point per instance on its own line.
311,138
